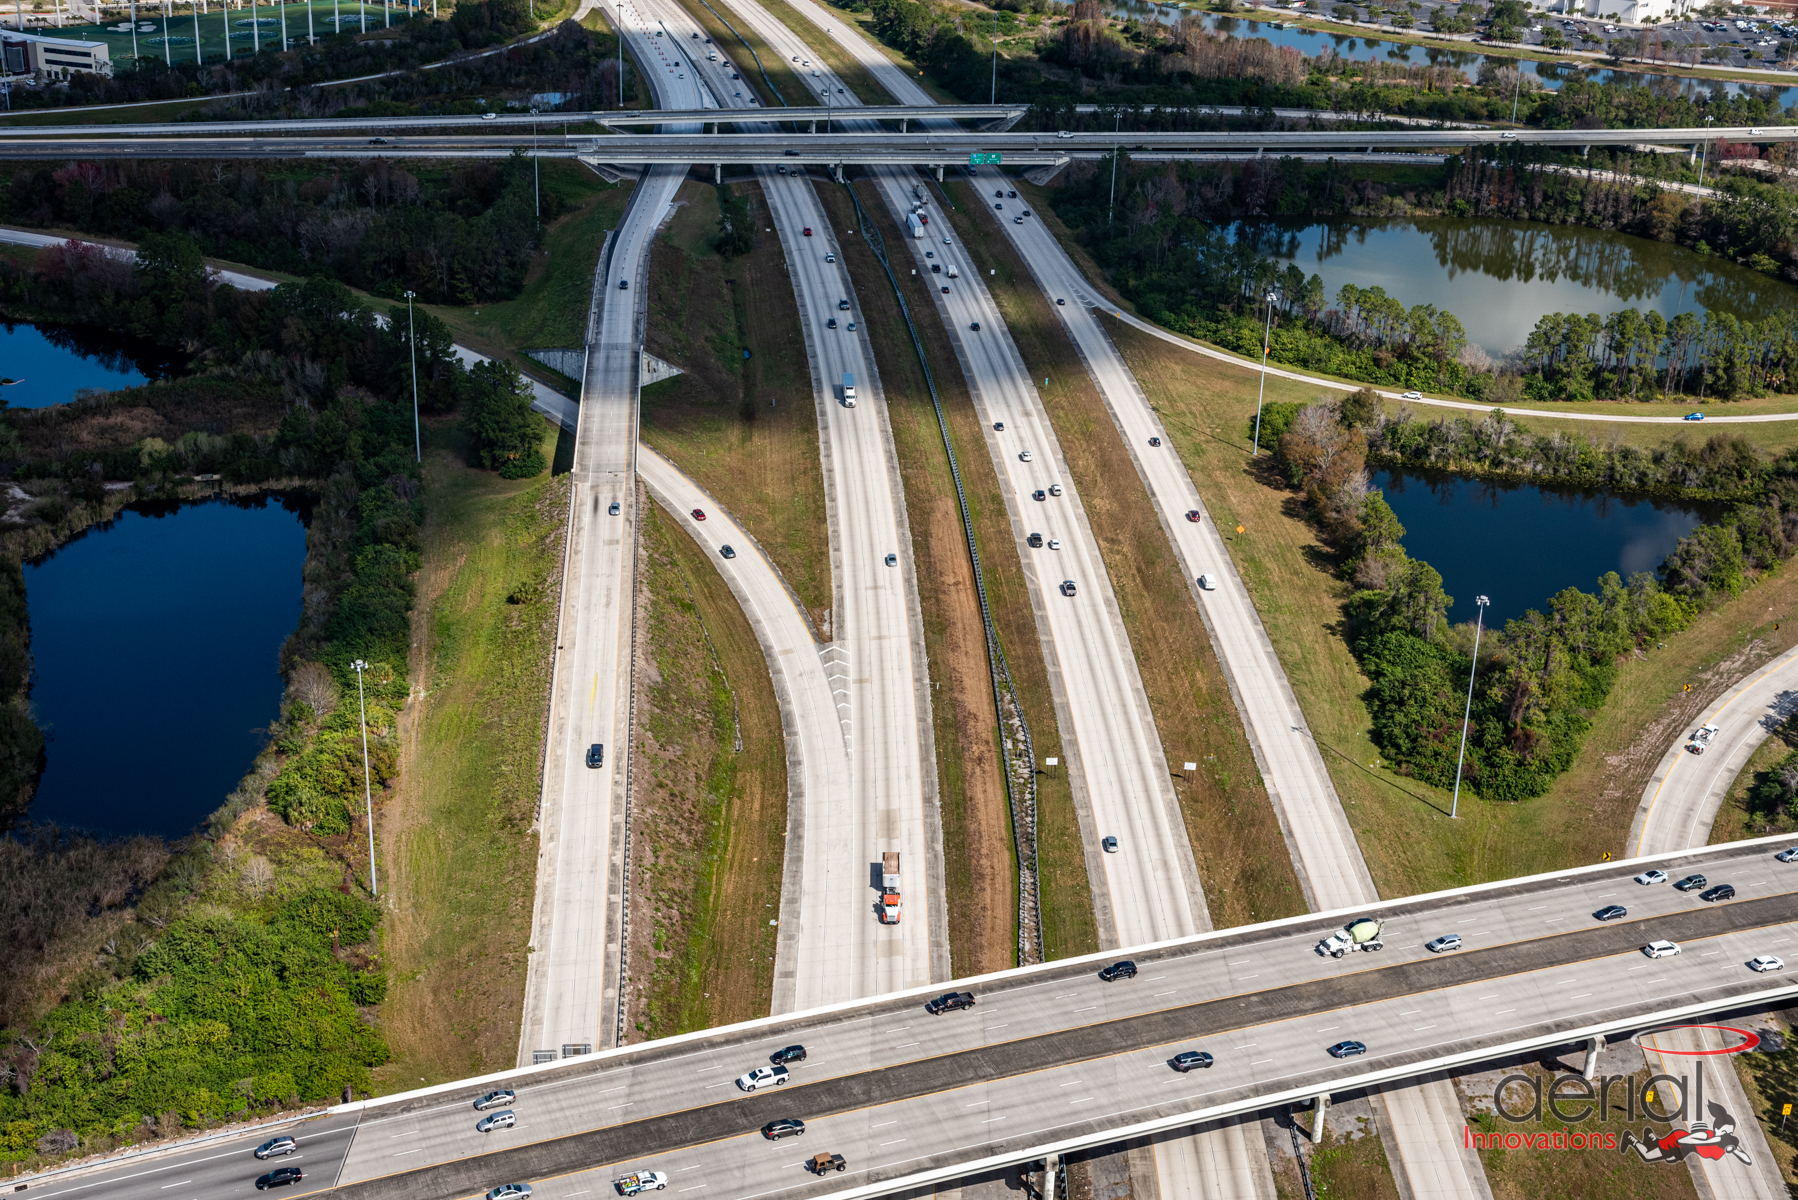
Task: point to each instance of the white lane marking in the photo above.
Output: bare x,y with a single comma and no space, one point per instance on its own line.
710,1086
1501,1012
694,1188
1412,1013
1710,954
884,1124
990,1120
626,1104
908,1045
998,1027
1328,1028
1159,995
166,1186
1071,1083
1539,908
1243,963
1581,996
1250,1046
901,1029
1093,1008
977,1104
1421,1028
1259,1061
409,1133
403,1153
1251,976
1082,1100
894,1142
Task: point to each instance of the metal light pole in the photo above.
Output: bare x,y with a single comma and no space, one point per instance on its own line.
994,97
536,181
134,34
1516,91
418,445
368,793
1266,333
1111,208
1706,147
1480,602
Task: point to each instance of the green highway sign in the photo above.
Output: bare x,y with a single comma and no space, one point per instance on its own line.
990,158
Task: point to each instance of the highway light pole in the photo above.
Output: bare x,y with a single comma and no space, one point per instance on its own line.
368,793
994,97
418,445
1480,602
1266,333
1706,148
536,183
1111,208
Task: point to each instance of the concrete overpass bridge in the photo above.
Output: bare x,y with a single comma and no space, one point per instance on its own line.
1052,1059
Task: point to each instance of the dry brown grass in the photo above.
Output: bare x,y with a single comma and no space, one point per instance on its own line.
1244,862
745,430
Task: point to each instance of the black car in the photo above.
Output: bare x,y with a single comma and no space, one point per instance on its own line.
1690,883
1347,1049
1119,970
1039,494
1034,541
279,1177
1154,441
789,1054
975,326
831,324
1723,891
1188,1060
1610,912
784,1128
727,551
596,755
949,1002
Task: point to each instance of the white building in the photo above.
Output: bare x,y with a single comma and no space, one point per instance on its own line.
52,57
1627,12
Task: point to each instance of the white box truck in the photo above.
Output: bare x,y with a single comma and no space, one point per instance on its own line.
913,223
848,390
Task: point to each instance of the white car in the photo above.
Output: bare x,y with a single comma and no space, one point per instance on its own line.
830,258
1652,877
1790,855
1661,949
1766,962
642,1181
1064,133
762,1077
1054,543
1412,396
1207,583
1023,456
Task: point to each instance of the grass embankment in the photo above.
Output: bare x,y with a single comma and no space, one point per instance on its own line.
979,854
745,428
826,50
781,73
171,110
1771,1080
1347,1166
1243,858
551,311
863,23
1737,818
707,819
458,847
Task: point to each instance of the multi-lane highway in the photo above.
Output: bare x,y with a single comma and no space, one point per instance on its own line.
572,978
1053,1057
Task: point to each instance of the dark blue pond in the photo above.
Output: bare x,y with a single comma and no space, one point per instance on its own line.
155,644
50,363
1519,545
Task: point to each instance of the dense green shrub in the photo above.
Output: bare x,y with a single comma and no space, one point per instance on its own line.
504,433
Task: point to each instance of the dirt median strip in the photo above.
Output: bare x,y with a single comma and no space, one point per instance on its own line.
1107,1039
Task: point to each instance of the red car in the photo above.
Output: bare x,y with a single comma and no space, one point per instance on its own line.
808,231
1192,514
699,514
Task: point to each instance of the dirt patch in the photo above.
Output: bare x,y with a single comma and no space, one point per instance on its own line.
979,854
742,420
708,798
1243,858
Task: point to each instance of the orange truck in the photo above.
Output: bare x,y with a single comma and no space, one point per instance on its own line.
889,888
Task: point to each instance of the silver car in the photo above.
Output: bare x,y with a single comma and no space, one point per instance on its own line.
1443,944
504,1119
496,1099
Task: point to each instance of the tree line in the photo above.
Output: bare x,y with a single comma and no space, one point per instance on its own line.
1631,355
1539,680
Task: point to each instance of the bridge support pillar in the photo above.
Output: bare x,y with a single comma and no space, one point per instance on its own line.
1049,1165
1318,1107
902,124
1585,152
814,128
1593,1046
1693,156
939,172
839,170
718,173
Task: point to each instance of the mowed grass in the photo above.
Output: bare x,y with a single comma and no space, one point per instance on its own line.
745,428
787,89
1402,825
458,852
1737,820
1243,859
825,49
979,850
707,820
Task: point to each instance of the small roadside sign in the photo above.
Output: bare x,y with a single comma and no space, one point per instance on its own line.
983,158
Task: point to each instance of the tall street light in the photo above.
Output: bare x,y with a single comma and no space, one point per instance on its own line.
536,182
1266,334
1454,808
1111,208
994,98
368,793
418,445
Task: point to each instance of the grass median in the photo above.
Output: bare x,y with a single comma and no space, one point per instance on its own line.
742,420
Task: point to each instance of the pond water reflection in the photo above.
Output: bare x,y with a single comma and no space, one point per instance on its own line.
50,363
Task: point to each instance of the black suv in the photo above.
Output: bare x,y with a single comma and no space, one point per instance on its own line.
1690,883
1187,1060
790,1054
949,1002
279,1177
1119,970
1034,541
1723,891
596,755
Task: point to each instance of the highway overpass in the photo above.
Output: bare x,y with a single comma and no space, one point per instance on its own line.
932,148
1051,1058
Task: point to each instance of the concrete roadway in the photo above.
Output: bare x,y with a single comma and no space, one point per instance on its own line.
832,947
1678,808
572,982
1534,938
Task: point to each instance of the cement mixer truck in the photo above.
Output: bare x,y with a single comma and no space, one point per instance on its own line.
1362,933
